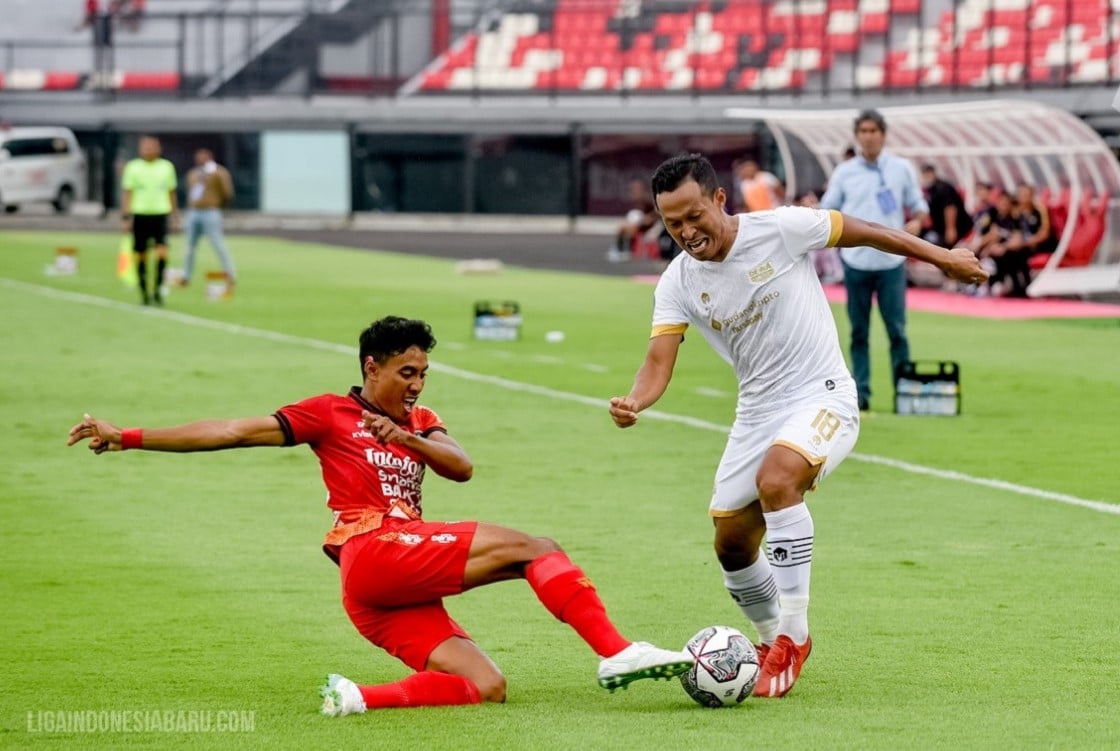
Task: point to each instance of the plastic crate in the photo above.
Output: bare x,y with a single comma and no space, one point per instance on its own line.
928,388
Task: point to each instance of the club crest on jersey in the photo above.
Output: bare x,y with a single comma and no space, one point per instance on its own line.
760,274
706,301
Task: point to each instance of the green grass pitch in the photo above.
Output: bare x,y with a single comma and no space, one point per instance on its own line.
949,611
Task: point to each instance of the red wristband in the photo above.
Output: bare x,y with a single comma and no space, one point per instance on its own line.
132,438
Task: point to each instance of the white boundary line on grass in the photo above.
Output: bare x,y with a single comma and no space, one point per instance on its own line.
529,388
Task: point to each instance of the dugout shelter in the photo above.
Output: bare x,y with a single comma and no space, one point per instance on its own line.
1004,142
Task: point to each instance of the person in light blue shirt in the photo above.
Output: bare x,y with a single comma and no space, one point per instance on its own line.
878,187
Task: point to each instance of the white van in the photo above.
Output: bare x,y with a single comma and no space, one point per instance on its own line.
41,165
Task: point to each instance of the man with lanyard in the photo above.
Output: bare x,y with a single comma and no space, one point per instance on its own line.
878,187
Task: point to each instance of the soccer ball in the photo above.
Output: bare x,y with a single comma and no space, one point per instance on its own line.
725,670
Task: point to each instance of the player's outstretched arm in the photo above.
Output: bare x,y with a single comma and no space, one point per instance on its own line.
650,381
960,264
206,435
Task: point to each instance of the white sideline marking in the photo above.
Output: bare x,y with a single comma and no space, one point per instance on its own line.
529,388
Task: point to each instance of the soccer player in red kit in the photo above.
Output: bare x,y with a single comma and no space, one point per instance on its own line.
374,445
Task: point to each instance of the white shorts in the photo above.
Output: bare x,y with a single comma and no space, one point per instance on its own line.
823,429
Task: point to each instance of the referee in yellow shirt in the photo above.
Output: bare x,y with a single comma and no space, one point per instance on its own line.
148,187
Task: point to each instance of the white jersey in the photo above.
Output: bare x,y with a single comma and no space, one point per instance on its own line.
762,308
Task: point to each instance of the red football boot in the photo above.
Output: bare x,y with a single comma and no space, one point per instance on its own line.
782,666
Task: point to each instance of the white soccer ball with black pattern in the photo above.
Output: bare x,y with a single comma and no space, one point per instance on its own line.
726,667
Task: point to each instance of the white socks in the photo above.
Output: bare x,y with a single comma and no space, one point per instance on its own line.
789,539
753,589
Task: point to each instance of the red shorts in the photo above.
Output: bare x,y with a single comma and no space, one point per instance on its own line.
394,579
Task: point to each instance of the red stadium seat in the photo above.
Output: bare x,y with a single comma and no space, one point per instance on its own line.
874,23
1089,232
56,81
149,82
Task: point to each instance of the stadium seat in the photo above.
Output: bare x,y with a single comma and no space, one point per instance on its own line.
1088,233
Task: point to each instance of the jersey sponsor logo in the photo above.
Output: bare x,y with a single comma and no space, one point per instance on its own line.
404,538
760,274
406,465
444,538
749,315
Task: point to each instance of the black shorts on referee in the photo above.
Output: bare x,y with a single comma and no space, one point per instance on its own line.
148,228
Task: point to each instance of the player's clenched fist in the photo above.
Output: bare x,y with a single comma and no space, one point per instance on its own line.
963,266
383,428
624,411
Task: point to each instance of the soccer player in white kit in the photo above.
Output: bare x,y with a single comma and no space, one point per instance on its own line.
747,282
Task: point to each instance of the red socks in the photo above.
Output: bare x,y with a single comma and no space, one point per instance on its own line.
424,689
570,596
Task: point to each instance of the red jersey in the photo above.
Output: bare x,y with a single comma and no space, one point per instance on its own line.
365,479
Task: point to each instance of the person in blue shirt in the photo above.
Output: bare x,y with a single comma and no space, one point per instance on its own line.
878,187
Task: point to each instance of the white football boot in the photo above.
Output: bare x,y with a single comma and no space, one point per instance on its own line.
341,696
642,660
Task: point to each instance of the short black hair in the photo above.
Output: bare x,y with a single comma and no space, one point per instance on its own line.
392,335
673,172
928,167
874,116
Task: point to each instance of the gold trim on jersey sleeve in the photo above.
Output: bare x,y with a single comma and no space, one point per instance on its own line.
665,329
836,219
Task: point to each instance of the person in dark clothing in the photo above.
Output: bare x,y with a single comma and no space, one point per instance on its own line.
1038,233
949,220
1008,251
983,212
